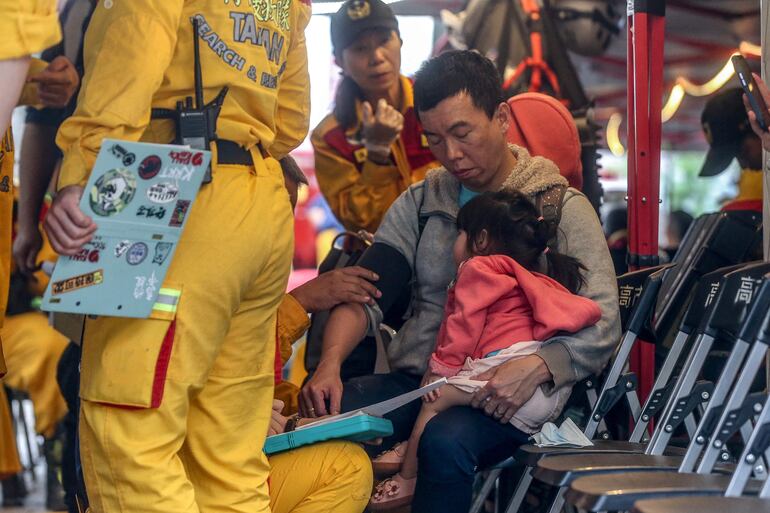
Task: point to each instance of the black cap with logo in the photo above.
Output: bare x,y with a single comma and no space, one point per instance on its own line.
725,124
356,16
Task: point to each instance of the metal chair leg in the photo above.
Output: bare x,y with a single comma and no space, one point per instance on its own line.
487,487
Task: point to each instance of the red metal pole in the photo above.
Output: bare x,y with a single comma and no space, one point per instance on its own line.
646,25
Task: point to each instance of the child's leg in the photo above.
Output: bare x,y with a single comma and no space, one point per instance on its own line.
450,396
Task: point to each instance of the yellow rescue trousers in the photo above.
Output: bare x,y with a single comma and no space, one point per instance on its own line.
328,477
32,352
175,408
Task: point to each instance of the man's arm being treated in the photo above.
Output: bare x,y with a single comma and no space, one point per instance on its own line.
390,257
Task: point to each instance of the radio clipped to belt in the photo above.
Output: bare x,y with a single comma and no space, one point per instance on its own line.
196,125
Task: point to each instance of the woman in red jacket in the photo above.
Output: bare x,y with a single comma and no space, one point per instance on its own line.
499,308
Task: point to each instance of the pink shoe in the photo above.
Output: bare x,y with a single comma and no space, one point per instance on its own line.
389,462
392,493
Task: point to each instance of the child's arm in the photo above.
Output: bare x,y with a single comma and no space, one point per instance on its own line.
476,289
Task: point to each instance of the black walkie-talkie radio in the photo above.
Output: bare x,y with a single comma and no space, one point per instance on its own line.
196,123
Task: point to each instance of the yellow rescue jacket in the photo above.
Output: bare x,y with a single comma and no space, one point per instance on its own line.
358,190
139,55
28,26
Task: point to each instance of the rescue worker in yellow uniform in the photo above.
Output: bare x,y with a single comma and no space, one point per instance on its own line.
330,476
32,352
371,147
33,347
28,27
175,408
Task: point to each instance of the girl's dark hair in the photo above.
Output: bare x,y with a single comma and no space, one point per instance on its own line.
348,91
515,228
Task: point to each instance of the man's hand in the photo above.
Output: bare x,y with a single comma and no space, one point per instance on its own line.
68,228
277,421
427,379
57,83
381,128
763,90
344,285
26,247
509,386
325,384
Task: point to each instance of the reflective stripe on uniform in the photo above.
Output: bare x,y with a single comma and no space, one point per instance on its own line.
167,301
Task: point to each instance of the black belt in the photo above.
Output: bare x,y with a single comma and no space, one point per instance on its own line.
229,152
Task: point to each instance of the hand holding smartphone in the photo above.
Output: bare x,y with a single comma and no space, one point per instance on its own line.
753,94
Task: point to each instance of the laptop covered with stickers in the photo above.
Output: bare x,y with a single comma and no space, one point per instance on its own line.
139,195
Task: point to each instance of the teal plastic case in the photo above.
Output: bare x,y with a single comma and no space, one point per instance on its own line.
358,428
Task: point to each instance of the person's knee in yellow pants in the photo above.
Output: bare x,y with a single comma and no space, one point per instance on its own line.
32,352
175,408
332,476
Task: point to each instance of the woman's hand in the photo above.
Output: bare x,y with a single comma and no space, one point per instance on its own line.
277,421
381,128
509,386
427,379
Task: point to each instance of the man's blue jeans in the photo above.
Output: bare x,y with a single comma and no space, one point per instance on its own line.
455,444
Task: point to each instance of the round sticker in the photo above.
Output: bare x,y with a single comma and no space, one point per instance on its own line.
137,253
149,167
164,192
112,192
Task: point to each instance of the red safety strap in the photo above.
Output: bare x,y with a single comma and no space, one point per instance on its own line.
534,62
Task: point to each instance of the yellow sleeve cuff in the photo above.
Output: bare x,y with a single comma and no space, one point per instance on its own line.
74,170
28,27
289,394
29,94
293,321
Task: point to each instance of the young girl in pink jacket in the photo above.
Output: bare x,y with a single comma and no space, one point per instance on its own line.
498,308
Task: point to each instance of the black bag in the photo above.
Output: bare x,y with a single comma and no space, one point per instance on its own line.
361,361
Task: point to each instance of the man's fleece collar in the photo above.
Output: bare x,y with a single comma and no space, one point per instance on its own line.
531,175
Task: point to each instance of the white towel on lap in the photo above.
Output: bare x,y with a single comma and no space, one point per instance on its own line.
535,412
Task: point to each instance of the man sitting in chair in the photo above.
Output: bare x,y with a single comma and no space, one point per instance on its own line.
460,104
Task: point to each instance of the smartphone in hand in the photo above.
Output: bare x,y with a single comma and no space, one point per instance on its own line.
752,92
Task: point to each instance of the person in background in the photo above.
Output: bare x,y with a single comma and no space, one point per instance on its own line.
678,223
32,351
27,28
370,148
37,163
729,134
616,230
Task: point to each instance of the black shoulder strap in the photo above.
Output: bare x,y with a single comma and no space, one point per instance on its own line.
422,219
549,203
